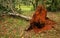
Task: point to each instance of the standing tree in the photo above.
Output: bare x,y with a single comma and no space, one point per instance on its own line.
52,5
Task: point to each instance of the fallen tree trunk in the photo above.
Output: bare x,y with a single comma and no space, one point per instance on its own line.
20,15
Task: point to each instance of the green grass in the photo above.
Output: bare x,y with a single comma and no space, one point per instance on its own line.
12,27
28,13
26,10
24,7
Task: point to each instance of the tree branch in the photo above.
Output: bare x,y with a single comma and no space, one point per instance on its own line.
20,15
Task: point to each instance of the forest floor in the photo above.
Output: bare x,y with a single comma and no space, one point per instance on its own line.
13,27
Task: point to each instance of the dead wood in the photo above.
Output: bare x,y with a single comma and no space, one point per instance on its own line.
20,15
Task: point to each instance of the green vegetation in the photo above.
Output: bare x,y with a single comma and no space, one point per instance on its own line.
12,27
28,5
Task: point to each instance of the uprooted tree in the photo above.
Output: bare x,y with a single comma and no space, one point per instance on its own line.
40,22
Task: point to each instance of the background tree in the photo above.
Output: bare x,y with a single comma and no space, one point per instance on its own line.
52,5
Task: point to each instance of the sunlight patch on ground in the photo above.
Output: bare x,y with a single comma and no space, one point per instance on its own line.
24,8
